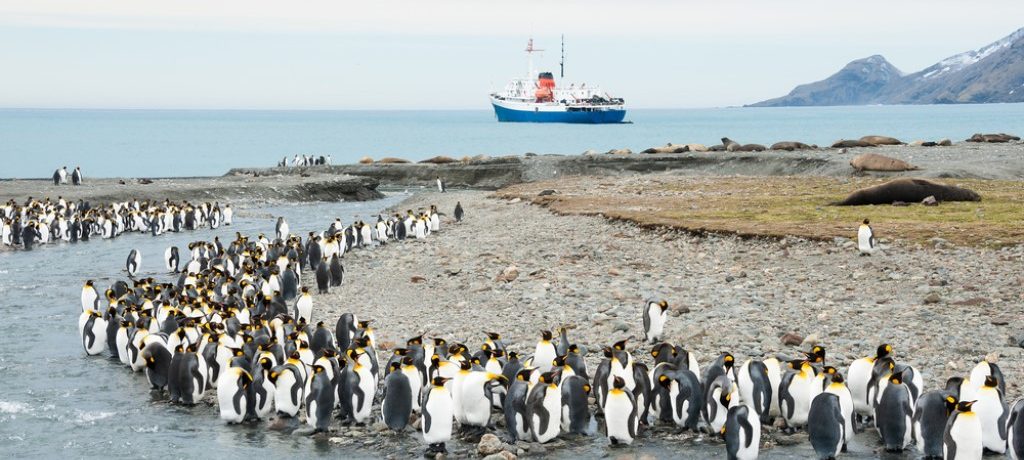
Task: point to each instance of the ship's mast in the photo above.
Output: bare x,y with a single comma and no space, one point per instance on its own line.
529,52
561,64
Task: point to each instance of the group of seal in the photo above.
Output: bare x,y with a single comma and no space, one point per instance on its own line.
41,222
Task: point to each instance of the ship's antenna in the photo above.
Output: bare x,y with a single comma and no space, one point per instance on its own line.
529,52
561,64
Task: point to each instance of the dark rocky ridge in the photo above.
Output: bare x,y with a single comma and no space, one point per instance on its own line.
994,73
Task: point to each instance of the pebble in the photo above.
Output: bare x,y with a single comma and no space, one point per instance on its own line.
489,444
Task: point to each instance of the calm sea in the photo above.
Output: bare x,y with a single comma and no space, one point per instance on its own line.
163,143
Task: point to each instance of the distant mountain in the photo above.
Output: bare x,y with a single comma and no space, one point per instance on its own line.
994,73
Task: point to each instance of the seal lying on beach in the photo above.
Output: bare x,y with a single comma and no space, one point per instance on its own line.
733,146
790,146
908,191
846,143
994,138
875,162
668,148
881,140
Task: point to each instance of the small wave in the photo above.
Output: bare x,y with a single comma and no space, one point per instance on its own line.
12,407
140,429
90,417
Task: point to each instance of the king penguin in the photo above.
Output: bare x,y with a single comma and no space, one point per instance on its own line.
133,262
437,416
620,414
232,394
516,421
396,398
865,239
992,412
458,211
544,408
930,416
320,400
1015,431
171,259
962,438
575,410
323,277
826,428
742,432
655,315
894,413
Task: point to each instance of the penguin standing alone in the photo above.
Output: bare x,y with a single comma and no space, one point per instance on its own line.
458,211
865,239
171,259
133,262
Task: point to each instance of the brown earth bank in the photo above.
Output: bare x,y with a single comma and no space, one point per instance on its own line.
225,189
962,160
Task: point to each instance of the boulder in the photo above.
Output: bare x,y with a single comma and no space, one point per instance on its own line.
945,142
908,191
846,143
790,146
439,160
881,140
875,162
930,201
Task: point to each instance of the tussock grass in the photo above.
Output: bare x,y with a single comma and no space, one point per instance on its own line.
780,206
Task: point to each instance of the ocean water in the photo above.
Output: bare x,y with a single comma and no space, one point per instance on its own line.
166,143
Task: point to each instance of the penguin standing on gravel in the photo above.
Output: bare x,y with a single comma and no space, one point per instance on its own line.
438,415
323,277
742,432
826,428
655,316
458,211
930,416
962,438
865,239
396,398
337,271
620,414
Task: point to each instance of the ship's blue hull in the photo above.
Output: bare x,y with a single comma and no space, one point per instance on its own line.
601,116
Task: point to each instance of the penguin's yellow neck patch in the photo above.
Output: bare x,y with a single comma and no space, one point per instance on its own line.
615,391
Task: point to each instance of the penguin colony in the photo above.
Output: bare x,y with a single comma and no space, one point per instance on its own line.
233,326
37,222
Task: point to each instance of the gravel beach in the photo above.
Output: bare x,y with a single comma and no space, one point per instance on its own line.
943,309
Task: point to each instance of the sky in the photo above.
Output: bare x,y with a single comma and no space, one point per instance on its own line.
449,54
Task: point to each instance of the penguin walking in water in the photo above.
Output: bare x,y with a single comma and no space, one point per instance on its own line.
742,432
865,239
544,408
172,259
93,330
283,232
655,315
894,414
320,400
396,398
992,412
826,426
158,364
962,438
930,416
187,376
1015,431
620,414
438,416
458,211
232,394
133,262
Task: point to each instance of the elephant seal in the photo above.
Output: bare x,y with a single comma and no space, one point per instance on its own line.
993,138
668,148
845,143
717,148
875,162
881,140
697,147
945,143
366,161
393,161
751,148
730,145
440,160
790,146
908,191
619,152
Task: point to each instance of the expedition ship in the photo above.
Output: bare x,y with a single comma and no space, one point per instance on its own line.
540,100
